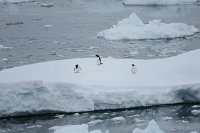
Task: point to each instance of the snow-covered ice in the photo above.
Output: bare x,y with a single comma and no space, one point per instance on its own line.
53,86
158,2
167,118
132,28
34,126
4,47
195,111
73,129
196,106
46,4
120,118
193,132
4,59
14,1
95,122
151,128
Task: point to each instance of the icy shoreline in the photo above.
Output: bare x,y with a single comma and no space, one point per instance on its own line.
54,87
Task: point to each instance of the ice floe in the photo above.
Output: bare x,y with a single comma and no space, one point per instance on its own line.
167,118
46,4
14,1
95,122
158,2
73,129
4,47
151,128
195,111
54,87
120,118
132,28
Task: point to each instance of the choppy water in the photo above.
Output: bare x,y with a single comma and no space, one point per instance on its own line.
69,29
178,119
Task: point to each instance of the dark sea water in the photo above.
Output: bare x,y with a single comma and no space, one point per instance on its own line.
171,119
68,30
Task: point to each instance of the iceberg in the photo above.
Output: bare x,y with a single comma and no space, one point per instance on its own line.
53,86
151,128
73,129
132,28
157,2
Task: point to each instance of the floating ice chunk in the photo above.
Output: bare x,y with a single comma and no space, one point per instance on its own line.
158,2
4,59
95,122
3,47
196,106
59,116
193,132
73,129
167,118
47,5
159,81
195,112
132,28
76,114
151,128
34,126
120,118
47,26
14,1
60,55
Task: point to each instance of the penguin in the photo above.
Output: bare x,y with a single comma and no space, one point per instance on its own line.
77,68
99,62
134,69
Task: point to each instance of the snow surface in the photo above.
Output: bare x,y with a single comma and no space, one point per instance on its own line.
53,86
151,128
73,129
95,122
195,112
133,28
158,2
120,118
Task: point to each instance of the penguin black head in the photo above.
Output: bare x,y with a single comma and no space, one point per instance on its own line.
133,65
76,65
97,55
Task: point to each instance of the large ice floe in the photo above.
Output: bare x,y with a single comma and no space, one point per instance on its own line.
73,129
53,86
152,127
132,28
14,1
158,2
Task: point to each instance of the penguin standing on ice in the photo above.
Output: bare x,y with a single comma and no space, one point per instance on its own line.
77,68
99,62
134,69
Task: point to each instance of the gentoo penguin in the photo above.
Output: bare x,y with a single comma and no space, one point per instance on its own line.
134,69
77,68
99,62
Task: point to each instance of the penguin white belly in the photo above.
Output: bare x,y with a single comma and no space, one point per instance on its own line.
134,70
77,70
98,61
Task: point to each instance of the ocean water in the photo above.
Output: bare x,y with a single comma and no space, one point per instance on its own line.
69,28
174,118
